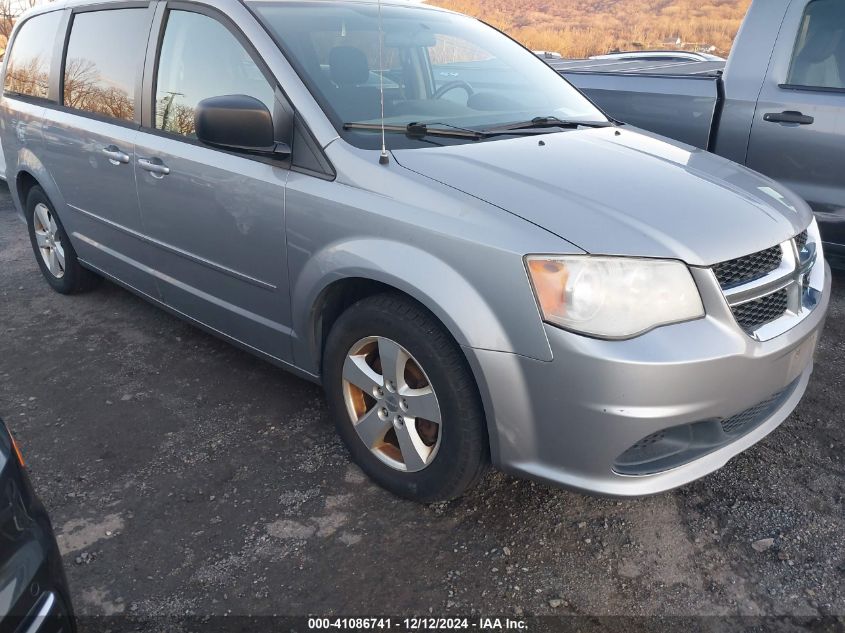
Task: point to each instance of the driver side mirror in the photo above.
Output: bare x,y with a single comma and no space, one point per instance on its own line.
238,123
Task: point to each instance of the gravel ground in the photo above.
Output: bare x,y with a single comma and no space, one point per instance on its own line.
186,477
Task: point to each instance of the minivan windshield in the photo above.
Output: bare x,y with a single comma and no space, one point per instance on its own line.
448,74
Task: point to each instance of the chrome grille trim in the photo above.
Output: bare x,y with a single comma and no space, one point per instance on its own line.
753,314
743,270
773,281
767,305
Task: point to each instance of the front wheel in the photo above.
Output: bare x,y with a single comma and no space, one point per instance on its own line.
404,401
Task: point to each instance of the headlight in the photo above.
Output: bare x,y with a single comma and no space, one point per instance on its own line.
613,297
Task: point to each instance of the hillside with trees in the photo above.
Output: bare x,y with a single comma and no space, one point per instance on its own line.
580,28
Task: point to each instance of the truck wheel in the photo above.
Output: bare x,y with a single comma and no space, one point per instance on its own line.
53,250
404,401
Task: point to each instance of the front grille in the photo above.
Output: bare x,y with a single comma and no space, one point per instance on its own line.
740,423
753,314
745,269
770,285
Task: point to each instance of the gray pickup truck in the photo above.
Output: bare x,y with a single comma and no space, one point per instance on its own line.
777,105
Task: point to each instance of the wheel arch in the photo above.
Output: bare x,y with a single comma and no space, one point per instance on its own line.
30,172
24,183
340,275
332,301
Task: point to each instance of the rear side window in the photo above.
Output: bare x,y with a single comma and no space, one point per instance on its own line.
104,56
819,57
200,58
28,70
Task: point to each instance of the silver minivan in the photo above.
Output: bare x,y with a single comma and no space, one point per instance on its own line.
476,273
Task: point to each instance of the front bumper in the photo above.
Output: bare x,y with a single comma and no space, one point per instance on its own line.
568,421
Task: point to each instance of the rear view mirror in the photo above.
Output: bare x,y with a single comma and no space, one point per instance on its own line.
238,123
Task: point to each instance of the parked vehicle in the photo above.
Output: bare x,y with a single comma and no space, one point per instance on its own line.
777,106
660,55
34,596
488,271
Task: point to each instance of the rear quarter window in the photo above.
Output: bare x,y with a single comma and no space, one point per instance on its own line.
28,68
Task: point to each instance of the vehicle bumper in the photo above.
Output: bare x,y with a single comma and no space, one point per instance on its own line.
569,421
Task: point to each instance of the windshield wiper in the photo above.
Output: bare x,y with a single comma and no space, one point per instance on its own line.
547,122
420,130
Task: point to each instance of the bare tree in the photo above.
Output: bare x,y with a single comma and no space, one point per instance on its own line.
85,90
183,120
28,78
81,78
175,117
114,102
10,11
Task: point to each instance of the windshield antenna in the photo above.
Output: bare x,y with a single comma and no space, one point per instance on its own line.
384,159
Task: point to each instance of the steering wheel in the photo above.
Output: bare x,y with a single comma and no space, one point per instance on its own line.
452,85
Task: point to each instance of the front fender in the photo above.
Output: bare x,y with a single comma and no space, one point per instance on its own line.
471,320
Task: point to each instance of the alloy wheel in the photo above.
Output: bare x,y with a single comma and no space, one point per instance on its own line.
392,404
49,245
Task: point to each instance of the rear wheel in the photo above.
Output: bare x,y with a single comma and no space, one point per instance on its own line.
404,401
53,250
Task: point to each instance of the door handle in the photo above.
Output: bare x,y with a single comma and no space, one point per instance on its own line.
790,116
154,166
115,156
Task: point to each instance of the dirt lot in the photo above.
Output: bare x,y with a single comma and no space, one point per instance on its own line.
187,477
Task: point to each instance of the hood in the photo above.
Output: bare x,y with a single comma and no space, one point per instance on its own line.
622,192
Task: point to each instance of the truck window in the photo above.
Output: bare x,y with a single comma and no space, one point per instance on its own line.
199,59
818,60
28,70
104,55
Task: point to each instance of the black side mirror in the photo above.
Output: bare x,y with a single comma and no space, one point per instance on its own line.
238,123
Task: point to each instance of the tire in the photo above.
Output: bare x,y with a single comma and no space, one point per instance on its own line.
65,275
448,457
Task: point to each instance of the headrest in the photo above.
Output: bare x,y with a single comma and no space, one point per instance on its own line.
819,48
348,66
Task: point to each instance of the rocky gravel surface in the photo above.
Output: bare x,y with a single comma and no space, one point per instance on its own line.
187,477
